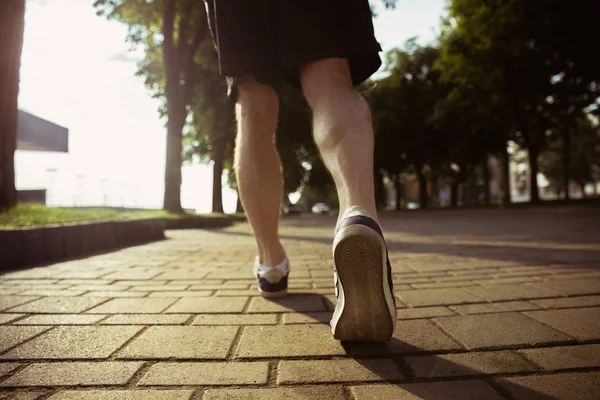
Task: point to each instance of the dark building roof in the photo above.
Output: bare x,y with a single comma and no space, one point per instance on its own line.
38,134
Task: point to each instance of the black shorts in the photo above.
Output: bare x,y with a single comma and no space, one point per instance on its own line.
271,39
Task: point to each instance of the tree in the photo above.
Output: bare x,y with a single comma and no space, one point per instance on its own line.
172,32
12,21
211,133
532,60
584,153
403,105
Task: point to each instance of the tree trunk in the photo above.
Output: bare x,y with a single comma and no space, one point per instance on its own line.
582,186
534,194
487,196
218,157
239,208
380,192
12,20
506,196
423,195
566,159
399,192
172,197
454,193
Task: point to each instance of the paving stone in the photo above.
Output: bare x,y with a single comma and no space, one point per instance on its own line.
571,386
183,275
288,341
146,319
12,335
198,342
307,318
56,293
238,293
346,370
129,283
470,276
74,373
410,336
497,330
441,285
137,275
582,301
295,393
209,305
294,303
565,356
581,323
80,275
20,395
60,319
66,342
487,308
133,306
5,368
573,287
7,302
511,292
423,312
235,319
59,305
461,390
96,282
197,293
433,297
159,288
115,294
5,318
189,373
233,286
123,395
100,288
465,364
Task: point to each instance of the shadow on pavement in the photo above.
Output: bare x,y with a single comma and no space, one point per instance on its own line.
432,378
481,249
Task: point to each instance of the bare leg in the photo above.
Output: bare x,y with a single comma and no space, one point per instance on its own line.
343,130
258,168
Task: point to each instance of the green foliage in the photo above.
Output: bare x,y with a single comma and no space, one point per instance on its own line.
29,214
529,61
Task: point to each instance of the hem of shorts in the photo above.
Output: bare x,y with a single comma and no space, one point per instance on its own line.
367,53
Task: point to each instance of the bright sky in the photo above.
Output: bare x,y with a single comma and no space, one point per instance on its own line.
78,72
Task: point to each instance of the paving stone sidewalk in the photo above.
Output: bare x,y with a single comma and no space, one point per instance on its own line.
491,305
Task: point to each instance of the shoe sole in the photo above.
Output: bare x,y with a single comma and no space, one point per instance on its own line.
365,309
273,295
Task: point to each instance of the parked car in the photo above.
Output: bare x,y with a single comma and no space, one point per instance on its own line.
293,209
320,208
413,206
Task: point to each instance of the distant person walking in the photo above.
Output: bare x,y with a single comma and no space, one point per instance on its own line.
324,48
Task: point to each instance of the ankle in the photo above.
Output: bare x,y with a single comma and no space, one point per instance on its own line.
272,256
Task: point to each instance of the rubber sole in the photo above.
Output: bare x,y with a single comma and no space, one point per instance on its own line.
365,310
273,295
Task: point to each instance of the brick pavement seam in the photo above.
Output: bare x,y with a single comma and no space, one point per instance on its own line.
320,383
273,373
50,328
139,374
10,374
552,327
114,355
501,390
22,304
235,344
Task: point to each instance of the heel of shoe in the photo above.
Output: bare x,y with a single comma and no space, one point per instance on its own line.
365,310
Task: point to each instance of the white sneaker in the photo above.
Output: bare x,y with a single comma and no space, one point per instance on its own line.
272,282
366,307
